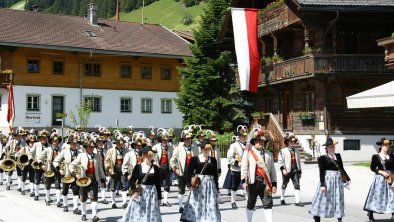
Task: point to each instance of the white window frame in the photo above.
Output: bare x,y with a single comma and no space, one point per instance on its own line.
144,106
93,104
32,109
130,104
164,109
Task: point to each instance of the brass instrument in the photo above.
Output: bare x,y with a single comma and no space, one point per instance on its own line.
35,165
237,157
67,179
111,166
23,159
83,181
48,173
8,164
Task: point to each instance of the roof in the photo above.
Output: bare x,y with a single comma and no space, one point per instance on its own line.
53,31
187,35
346,2
380,96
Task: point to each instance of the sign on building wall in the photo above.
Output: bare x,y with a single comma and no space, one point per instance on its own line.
32,118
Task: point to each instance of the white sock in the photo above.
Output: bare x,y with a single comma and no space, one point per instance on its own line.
65,201
22,186
83,204
268,215
31,187
102,194
1,177
249,215
37,189
228,191
282,195
57,196
297,196
75,202
240,192
8,180
94,209
47,192
165,194
19,182
233,194
180,200
124,196
113,194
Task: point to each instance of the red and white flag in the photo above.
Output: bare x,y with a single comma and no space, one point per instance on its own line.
11,107
246,47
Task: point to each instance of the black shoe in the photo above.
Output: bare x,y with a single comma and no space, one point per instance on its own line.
77,212
59,204
181,210
234,205
65,209
47,203
1,183
50,201
23,193
32,194
117,194
166,204
316,218
19,189
8,188
299,204
83,217
228,194
114,206
104,201
370,216
124,205
282,202
95,219
36,198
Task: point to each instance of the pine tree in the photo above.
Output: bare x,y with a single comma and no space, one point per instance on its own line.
208,94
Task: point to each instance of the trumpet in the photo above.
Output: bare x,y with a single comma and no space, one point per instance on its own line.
8,164
67,179
83,181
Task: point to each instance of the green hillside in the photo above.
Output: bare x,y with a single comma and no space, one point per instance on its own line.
166,12
19,6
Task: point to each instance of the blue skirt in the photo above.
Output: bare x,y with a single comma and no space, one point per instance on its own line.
380,197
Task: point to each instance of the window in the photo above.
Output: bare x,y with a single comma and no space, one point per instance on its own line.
351,145
33,103
346,93
166,106
96,103
33,65
58,67
166,73
125,70
388,109
146,105
125,105
309,101
92,69
146,72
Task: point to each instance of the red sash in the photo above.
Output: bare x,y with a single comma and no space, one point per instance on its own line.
260,169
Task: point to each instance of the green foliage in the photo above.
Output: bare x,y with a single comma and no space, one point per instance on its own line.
363,164
273,5
187,19
307,51
82,115
19,5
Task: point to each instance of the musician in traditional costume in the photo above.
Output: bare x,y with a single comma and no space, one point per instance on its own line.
234,157
12,151
101,150
202,180
290,166
328,200
35,152
113,162
62,163
21,135
380,197
89,173
27,169
3,143
151,136
52,176
180,163
145,184
258,174
162,159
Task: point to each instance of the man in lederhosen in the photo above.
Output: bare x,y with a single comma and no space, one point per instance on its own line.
162,159
3,143
290,166
234,157
21,138
180,162
62,163
88,165
45,160
114,162
257,174
28,169
101,150
36,151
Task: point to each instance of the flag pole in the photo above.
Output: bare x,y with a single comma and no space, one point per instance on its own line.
117,10
143,5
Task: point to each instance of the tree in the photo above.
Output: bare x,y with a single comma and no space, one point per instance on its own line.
82,115
208,94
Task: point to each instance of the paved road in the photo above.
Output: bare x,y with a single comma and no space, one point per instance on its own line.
16,208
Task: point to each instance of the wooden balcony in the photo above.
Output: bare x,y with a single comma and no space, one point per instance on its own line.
309,65
276,19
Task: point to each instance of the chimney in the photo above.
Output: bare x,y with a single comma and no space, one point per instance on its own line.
93,13
37,8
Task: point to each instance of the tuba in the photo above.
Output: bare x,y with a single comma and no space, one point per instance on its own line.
23,159
8,164
67,179
83,181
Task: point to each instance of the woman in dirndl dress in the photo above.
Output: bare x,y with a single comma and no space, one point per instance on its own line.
380,198
144,206
329,199
202,204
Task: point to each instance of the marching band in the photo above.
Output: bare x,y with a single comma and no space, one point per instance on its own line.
91,163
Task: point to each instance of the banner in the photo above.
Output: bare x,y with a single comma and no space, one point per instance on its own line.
11,107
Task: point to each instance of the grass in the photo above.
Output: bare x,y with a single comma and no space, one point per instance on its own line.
19,5
166,12
364,164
